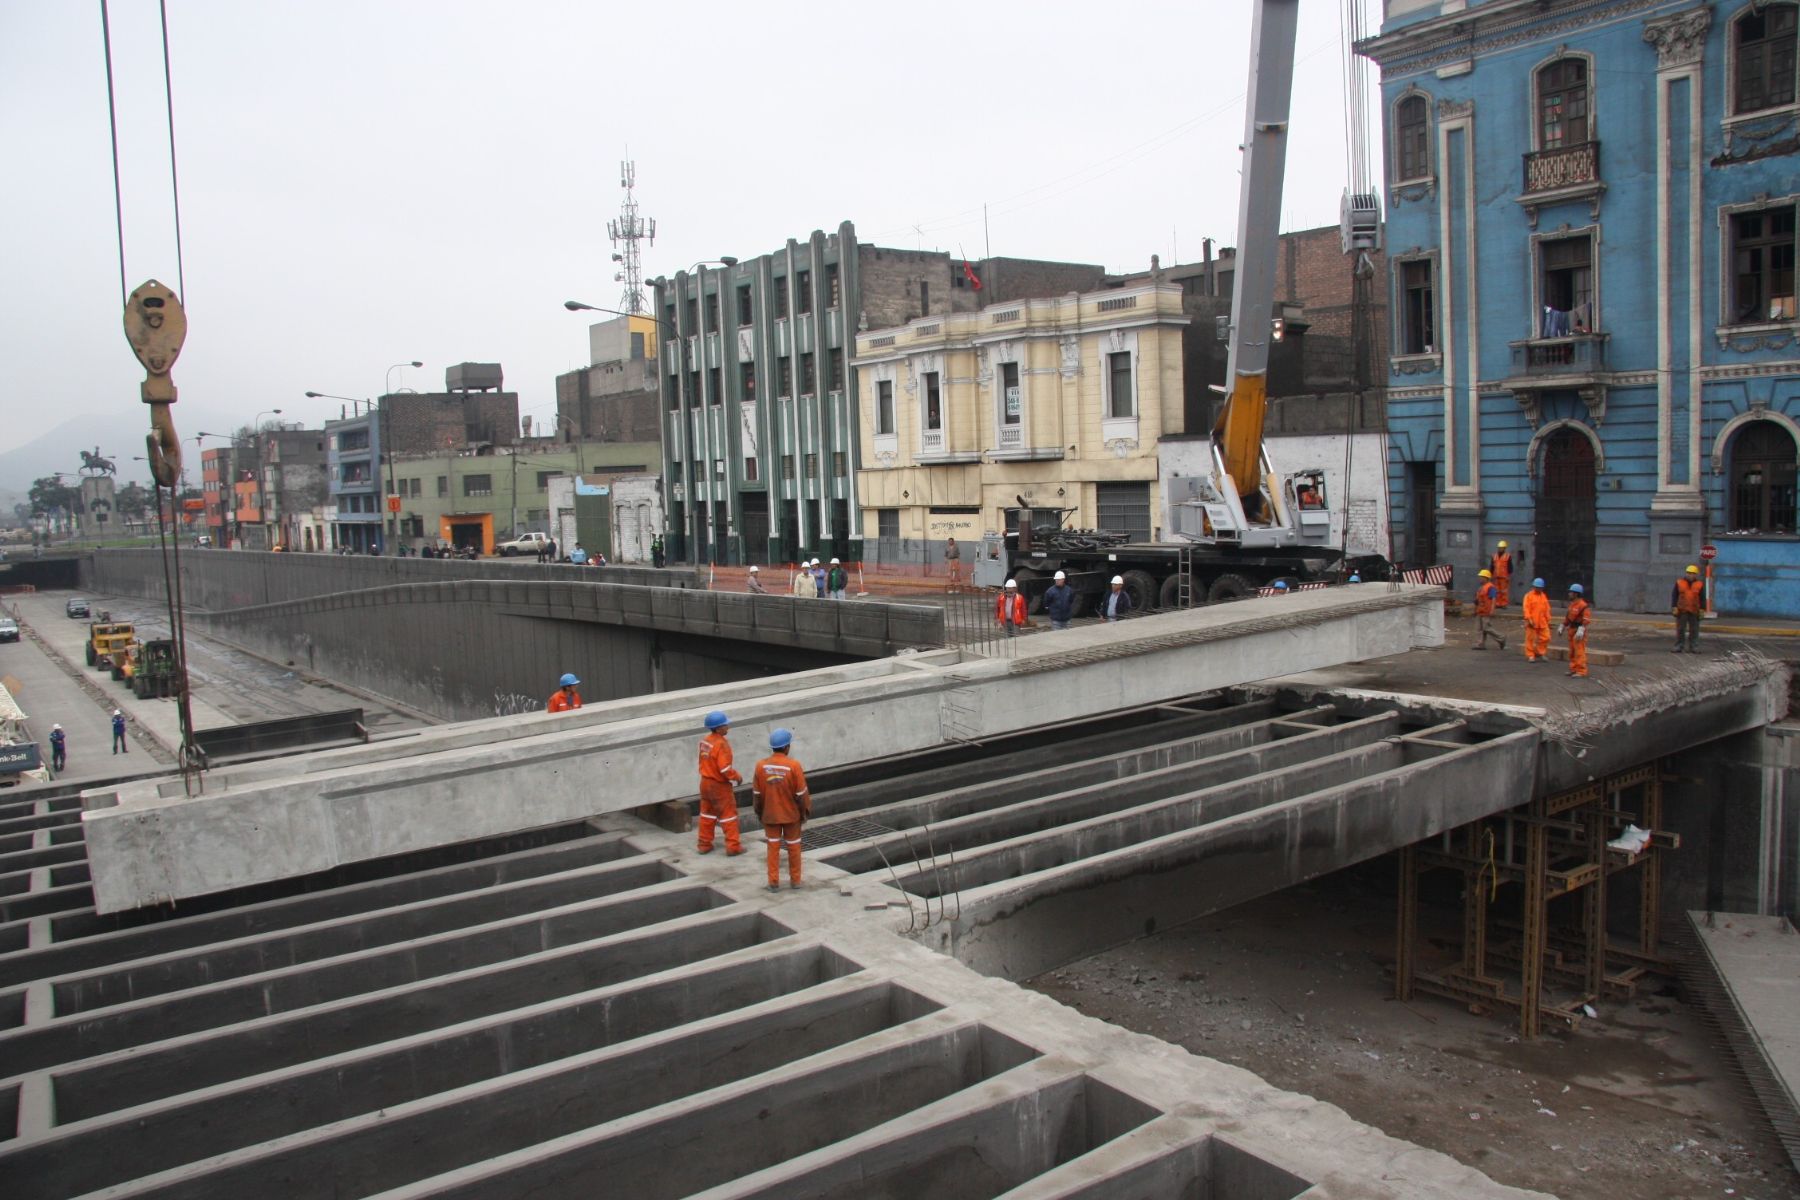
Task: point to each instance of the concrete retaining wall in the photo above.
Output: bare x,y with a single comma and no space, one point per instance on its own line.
462,647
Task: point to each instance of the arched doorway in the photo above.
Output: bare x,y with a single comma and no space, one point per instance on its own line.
1762,496
1565,513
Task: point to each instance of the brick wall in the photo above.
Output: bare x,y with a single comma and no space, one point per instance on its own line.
891,279
610,402
426,422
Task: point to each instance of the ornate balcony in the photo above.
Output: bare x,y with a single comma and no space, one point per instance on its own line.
1562,168
1578,354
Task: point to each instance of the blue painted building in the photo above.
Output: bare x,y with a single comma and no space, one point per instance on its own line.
353,475
1591,240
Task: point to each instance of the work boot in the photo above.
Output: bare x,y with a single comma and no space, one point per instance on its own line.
734,853
1677,650
706,849
774,887
1502,643
793,883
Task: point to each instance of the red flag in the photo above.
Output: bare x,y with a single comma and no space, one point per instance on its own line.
969,274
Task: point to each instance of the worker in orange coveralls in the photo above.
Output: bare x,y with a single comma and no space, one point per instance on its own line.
1502,568
565,696
1575,625
778,788
1486,596
1537,623
718,802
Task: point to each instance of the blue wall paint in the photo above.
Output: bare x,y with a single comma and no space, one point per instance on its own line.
1763,575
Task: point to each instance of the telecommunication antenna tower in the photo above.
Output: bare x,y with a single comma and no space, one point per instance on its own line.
627,230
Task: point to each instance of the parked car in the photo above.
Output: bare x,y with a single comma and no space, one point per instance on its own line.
527,543
9,630
77,608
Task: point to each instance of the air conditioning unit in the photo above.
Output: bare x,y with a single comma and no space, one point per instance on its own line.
1359,221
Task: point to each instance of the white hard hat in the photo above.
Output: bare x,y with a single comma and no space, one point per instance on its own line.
116,713
1118,579
1060,575
56,727
834,562
1012,583
753,569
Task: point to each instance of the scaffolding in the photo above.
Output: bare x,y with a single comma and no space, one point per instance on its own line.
1554,960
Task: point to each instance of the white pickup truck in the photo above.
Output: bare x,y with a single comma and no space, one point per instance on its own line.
525,543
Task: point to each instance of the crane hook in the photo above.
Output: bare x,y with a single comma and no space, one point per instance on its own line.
156,327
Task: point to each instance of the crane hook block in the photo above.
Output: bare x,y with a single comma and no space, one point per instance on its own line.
156,326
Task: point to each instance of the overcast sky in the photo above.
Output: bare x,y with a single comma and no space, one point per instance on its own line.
372,182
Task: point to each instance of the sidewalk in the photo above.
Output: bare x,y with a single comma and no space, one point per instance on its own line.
891,581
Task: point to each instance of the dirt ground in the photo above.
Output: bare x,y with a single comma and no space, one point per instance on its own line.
1298,988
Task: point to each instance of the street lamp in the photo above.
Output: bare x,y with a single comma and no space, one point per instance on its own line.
386,451
385,389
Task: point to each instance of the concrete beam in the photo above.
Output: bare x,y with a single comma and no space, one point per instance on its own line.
153,845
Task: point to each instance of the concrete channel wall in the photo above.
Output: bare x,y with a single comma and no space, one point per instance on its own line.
464,640
151,843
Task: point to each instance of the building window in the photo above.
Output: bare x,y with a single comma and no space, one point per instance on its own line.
443,488
833,289
1762,266
835,380
415,487
1418,308
1009,393
802,291
712,311
675,471
787,468
716,383
884,408
1566,286
746,311
694,387
924,298
1764,45
718,468
747,382
1412,137
808,382
812,465
672,390
637,345
784,376
1121,396
837,464
780,297
1762,479
934,403
1563,104
544,478
693,313
478,485
750,469
887,524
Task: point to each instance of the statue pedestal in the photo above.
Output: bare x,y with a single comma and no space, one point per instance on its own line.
98,515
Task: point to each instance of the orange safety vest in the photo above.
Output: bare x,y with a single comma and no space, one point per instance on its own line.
1018,609
779,785
1502,565
1485,598
1537,609
561,701
1578,614
1690,596
715,762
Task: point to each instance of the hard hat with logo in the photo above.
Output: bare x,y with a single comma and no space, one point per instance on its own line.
1485,573
1574,589
780,739
1538,582
569,680
1692,569
716,719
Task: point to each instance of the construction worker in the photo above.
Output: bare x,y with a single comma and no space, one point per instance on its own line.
1537,622
803,582
1009,610
837,580
1575,625
1502,566
1059,602
1687,600
778,790
718,802
1116,603
565,696
754,584
120,745
1281,587
59,748
1486,596
818,574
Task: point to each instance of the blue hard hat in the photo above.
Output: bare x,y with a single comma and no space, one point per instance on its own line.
1575,589
1281,585
1355,579
570,681
717,719
1539,582
780,739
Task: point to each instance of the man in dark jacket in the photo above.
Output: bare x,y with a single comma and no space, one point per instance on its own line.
1117,602
1059,602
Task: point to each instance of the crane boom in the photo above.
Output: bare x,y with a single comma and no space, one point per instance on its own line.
1238,433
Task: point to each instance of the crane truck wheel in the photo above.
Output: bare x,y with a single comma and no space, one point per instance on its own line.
1023,577
1141,587
1229,587
1170,594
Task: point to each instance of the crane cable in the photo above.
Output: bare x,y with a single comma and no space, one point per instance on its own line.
169,547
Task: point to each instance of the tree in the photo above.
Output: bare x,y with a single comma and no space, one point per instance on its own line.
50,496
133,500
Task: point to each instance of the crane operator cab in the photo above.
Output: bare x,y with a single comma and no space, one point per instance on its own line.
1306,499
993,562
